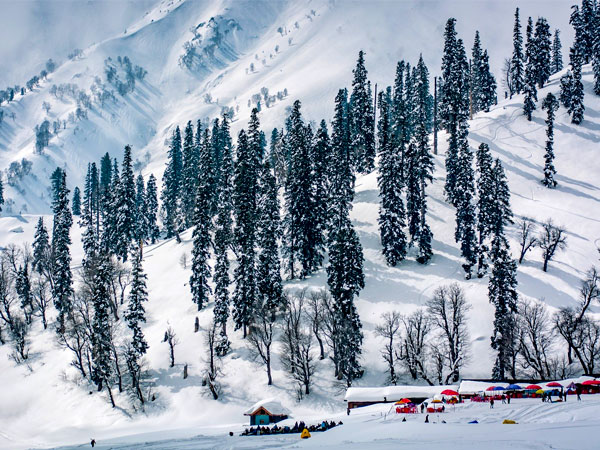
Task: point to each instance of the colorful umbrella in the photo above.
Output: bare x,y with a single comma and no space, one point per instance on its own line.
539,391
498,388
491,388
436,401
513,387
533,387
590,383
449,392
554,384
404,401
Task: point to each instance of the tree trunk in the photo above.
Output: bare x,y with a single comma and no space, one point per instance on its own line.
110,394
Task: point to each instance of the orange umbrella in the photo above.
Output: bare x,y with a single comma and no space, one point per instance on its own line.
403,401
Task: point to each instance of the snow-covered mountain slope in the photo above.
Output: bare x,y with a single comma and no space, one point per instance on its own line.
42,404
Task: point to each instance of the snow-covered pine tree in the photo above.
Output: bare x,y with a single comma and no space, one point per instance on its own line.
485,205
303,236
550,104
126,211
76,202
543,51
171,192
589,29
24,292
321,156
577,107
269,285
223,239
92,201
455,111
399,129
245,213
102,365
135,316
361,114
423,161
190,174
566,88
342,177
140,229
41,248
1,194
502,287
530,73
89,236
202,229
466,218
346,279
392,215
517,71
62,288
476,72
557,61
152,209
488,83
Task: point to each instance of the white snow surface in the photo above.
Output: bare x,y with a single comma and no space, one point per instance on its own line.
45,404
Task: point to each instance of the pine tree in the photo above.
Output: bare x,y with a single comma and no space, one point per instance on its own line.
465,208
23,290
566,89
152,209
109,238
362,127
269,286
202,228
392,216
104,193
589,29
517,74
1,194
557,61
41,248
62,288
399,122
76,202
596,51
140,233
245,213
88,220
476,81
488,83
551,105
171,192
423,161
223,239
576,108
454,108
485,205
530,73
543,51
189,174
134,316
342,178
345,278
125,214
321,155
102,368
303,238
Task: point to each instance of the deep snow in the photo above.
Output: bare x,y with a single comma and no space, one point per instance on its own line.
43,404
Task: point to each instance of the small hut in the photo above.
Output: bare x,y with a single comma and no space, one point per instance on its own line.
266,412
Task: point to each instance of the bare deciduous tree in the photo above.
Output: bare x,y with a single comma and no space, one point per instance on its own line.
535,339
260,339
413,349
527,237
448,310
172,340
317,314
552,238
213,367
388,330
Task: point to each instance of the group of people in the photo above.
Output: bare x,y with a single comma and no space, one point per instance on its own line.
562,396
297,428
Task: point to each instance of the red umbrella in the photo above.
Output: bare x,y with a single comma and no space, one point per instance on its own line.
449,392
533,387
591,383
554,384
491,388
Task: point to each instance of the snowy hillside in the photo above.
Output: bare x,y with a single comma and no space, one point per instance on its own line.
45,403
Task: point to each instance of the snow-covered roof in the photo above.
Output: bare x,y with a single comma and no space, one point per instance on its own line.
392,393
271,405
469,387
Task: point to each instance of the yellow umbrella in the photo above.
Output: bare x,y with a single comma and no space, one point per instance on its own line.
436,401
539,391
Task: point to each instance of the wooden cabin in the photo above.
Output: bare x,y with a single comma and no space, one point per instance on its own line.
266,412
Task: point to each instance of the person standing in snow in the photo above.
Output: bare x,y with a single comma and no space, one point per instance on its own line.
93,443
491,403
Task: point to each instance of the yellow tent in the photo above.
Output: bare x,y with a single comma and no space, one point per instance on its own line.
509,422
305,434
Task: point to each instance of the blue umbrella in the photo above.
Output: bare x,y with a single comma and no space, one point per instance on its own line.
498,388
513,387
